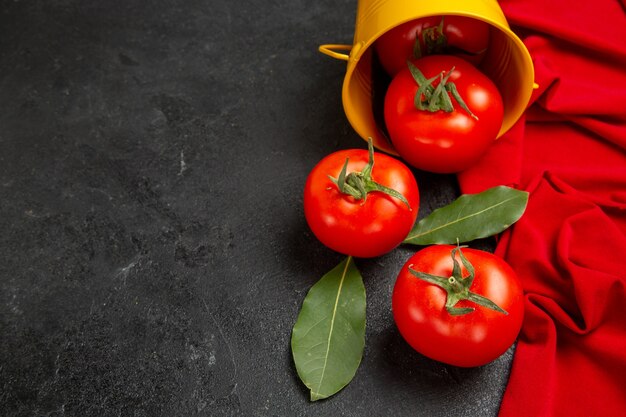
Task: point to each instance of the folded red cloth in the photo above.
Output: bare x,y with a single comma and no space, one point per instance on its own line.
569,248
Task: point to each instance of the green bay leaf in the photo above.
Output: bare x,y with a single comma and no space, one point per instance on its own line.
470,217
328,337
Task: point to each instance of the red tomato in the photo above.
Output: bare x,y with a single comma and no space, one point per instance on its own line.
360,227
470,339
443,141
462,36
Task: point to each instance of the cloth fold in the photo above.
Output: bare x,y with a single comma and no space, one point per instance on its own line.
569,248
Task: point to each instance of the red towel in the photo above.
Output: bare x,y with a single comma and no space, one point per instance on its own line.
569,248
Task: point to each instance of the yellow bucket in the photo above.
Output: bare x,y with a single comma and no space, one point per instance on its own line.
507,61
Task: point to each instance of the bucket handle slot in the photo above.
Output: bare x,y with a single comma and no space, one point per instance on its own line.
331,51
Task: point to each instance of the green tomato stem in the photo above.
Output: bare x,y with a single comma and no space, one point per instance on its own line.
433,99
457,287
360,184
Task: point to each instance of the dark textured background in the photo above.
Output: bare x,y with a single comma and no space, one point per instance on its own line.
154,253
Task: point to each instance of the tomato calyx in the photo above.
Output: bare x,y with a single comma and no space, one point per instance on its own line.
436,42
431,98
457,287
359,184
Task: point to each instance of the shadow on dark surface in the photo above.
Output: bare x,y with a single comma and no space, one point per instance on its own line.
411,367
422,382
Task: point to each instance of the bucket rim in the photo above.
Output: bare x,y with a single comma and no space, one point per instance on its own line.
359,48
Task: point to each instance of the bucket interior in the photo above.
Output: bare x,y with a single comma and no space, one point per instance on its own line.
507,63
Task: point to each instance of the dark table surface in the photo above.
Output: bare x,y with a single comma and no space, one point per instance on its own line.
154,253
